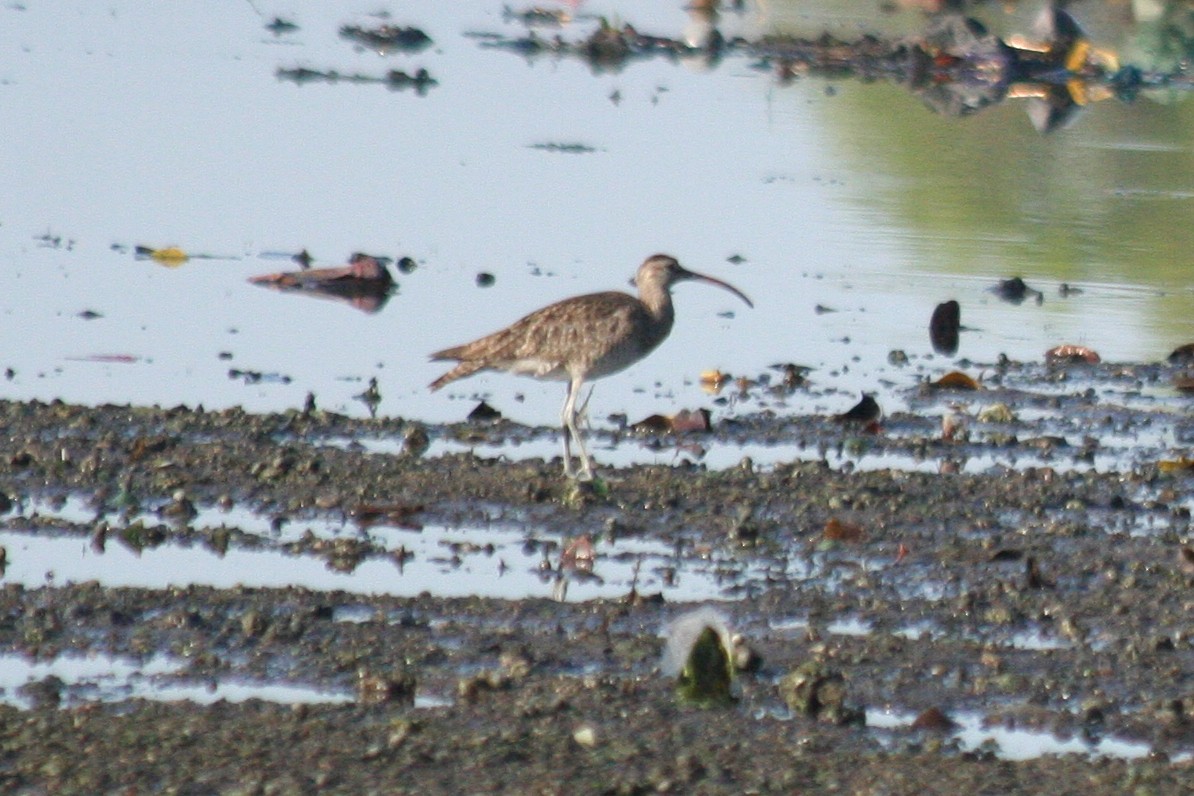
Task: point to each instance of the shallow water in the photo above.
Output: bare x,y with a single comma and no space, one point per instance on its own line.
99,677
1011,743
497,562
133,124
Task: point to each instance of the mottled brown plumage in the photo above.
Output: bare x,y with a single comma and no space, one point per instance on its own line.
581,338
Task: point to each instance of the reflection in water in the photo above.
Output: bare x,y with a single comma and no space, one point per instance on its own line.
974,731
955,65
394,79
963,68
1164,37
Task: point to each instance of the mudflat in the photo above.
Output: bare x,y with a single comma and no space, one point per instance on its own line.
1025,572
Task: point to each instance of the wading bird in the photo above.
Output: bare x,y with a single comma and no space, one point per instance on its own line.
580,339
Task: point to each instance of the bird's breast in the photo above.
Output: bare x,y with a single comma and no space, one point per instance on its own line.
621,356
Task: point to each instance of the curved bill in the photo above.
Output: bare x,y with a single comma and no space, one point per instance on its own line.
686,274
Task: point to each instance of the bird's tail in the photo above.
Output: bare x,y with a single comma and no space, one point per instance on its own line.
466,368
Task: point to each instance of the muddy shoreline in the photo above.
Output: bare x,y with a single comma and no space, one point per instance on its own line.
1051,596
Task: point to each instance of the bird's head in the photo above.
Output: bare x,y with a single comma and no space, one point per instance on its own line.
661,271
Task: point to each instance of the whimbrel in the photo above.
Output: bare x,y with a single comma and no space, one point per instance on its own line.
582,338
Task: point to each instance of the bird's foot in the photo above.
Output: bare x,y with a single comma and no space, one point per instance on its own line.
579,493
583,476
585,473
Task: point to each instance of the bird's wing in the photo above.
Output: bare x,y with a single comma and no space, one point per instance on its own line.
584,326
581,329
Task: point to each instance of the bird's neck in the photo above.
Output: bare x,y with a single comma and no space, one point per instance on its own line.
658,302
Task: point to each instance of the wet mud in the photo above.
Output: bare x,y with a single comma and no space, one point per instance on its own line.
909,565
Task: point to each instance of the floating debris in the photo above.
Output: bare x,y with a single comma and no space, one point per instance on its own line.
280,27
484,413
713,380
171,256
652,424
257,376
934,720
866,412
361,268
944,327
365,282
1066,354
1015,290
385,39
1182,354
682,421
955,380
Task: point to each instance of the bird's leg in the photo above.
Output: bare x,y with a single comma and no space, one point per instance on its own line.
586,464
582,414
570,417
566,428
582,420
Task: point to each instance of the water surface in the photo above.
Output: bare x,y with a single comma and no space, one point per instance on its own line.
137,124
